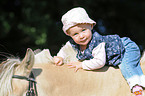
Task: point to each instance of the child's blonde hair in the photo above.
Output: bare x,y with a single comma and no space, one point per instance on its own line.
75,16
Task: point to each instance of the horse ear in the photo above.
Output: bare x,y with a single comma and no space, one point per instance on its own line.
28,61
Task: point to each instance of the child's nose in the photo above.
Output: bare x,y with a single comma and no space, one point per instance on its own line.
81,36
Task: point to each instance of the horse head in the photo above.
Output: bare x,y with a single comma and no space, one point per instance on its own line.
14,67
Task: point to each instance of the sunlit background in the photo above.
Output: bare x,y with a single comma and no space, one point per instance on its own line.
37,23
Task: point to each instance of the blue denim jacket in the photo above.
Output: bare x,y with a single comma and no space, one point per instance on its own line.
113,46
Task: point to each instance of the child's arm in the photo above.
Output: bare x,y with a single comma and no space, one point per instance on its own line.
62,54
77,65
58,60
99,59
97,62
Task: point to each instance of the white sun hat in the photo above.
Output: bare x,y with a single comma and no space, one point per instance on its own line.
75,16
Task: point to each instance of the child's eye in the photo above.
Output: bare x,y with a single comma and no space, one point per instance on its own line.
75,34
83,29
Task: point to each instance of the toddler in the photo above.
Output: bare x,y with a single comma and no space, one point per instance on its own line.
94,50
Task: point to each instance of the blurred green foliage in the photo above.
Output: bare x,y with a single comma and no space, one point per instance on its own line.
37,23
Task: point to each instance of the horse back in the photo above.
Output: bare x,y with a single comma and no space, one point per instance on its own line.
61,80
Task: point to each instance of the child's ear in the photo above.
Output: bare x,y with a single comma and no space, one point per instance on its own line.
67,32
92,26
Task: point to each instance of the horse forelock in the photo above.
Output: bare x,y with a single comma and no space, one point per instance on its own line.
7,70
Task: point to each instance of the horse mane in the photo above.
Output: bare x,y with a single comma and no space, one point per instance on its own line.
6,72
69,53
43,57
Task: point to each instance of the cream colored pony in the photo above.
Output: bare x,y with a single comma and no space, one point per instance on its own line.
60,80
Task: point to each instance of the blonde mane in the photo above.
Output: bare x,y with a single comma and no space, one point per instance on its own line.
7,69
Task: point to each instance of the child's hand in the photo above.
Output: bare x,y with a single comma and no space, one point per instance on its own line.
58,60
77,65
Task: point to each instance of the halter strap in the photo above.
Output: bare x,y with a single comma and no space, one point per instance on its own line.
32,91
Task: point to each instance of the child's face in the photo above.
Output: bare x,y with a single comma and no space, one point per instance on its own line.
81,34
